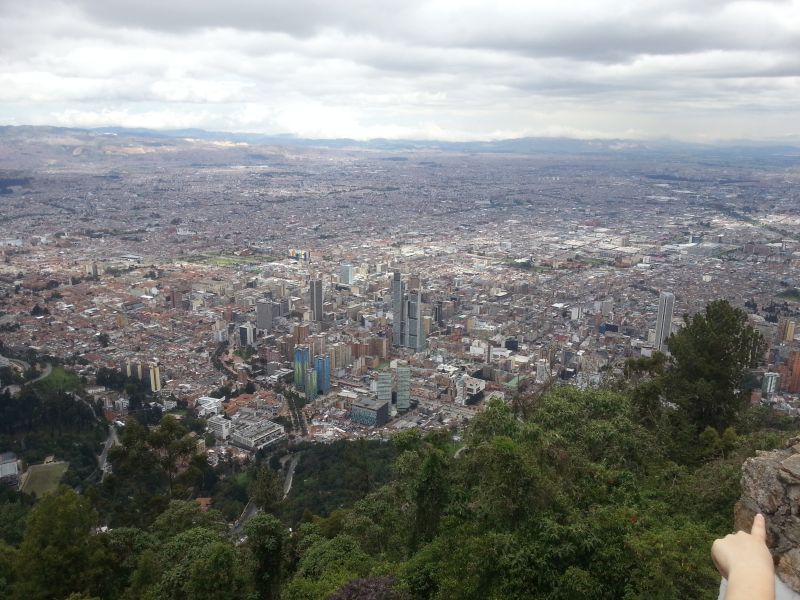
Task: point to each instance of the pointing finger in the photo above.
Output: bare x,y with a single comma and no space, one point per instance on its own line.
759,530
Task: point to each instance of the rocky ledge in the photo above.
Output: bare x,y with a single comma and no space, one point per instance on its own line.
771,486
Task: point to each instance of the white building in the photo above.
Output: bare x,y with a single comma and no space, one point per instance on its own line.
258,436
220,427
542,371
207,406
769,385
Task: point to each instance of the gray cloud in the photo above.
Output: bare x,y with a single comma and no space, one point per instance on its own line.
455,69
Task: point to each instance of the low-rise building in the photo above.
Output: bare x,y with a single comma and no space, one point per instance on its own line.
373,413
9,469
258,436
219,426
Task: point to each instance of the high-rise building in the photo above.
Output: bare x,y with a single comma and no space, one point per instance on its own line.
155,377
769,384
403,387
247,334
789,331
316,299
301,332
265,314
384,386
415,336
407,318
317,343
666,305
346,273
322,366
793,363
310,384
302,360
542,371
398,310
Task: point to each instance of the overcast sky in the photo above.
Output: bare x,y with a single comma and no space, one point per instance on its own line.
446,69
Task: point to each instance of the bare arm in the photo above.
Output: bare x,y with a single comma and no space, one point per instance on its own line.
744,560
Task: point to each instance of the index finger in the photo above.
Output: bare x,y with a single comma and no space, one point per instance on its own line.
759,529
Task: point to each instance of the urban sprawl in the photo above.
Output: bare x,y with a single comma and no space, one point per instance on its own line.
333,293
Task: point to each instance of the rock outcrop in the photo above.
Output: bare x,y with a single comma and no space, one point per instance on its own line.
771,486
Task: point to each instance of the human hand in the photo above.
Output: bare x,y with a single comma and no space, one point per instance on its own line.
744,560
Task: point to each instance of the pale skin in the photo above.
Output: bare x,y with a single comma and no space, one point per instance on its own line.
744,560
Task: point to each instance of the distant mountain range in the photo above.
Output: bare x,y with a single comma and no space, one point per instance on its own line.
527,145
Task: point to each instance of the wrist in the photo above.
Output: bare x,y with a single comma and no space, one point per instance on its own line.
751,582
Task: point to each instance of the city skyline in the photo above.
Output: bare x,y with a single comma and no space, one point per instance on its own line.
413,70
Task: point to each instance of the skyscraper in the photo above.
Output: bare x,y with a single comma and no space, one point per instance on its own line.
155,377
302,359
310,384
788,331
264,314
346,273
322,366
407,319
398,310
247,334
316,299
666,305
384,386
769,385
415,336
403,387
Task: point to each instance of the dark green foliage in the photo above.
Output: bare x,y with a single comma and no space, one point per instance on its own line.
14,508
55,554
49,417
331,476
182,515
431,497
379,588
710,356
196,564
266,489
114,558
149,467
267,542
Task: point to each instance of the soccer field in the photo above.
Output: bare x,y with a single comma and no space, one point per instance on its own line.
44,478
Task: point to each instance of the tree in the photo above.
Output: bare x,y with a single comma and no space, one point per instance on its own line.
216,575
266,489
182,515
172,446
103,339
368,589
709,359
267,542
54,556
431,496
136,491
114,557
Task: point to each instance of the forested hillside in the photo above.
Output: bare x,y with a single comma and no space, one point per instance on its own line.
606,493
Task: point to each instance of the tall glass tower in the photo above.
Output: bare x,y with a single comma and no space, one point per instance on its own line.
322,365
302,359
398,310
316,299
666,305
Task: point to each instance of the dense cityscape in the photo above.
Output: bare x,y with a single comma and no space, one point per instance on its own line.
385,289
